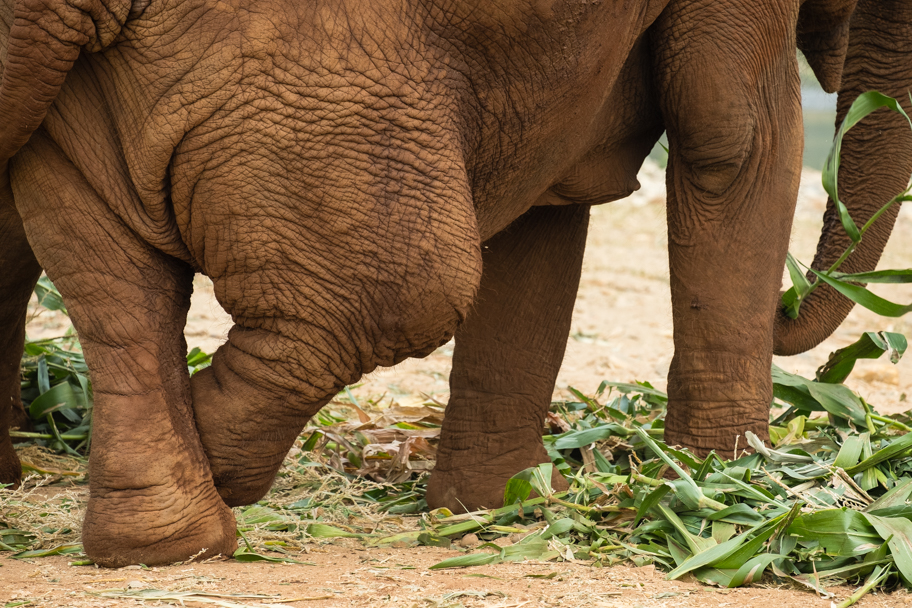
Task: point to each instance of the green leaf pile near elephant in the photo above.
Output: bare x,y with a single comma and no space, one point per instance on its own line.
364,180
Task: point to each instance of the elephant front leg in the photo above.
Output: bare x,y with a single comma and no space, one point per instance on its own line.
152,498
730,98
507,356
725,261
18,273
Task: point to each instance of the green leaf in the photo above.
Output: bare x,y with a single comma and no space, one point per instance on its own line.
897,531
651,500
861,107
60,396
67,549
753,569
326,531
849,453
244,554
467,561
714,556
838,531
793,297
871,345
877,276
863,296
519,487
48,296
895,497
896,447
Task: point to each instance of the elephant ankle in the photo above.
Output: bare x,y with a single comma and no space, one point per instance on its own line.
722,427
461,487
124,527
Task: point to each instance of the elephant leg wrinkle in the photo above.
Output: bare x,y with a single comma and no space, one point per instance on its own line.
507,356
152,499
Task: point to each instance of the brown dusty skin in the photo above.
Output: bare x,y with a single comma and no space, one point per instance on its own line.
622,328
335,169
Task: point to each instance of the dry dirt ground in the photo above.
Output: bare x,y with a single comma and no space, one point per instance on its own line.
621,331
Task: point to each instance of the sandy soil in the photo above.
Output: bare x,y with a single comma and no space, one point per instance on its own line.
621,331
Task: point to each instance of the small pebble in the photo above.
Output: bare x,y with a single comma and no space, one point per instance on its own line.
468,541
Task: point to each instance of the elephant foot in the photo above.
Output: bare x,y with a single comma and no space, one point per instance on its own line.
464,487
157,526
721,428
10,468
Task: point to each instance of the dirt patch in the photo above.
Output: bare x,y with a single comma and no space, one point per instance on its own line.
622,330
346,574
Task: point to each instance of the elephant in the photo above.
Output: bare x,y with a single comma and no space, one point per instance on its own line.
876,162
362,181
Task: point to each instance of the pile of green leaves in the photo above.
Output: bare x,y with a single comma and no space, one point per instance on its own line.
827,504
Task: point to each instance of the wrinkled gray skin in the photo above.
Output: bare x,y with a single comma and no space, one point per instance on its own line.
361,180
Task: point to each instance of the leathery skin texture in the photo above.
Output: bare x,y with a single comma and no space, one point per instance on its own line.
362,181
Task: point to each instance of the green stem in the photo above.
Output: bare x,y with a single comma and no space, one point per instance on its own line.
874,579
851,247
585,509
655,483
891,422
65,437
868,421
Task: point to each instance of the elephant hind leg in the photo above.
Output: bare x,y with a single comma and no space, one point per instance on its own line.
507,356
18,273
152,499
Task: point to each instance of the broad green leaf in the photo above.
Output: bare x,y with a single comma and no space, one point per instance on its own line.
580,439
896,447
863,296
519,487
718,553
897,531
696,544
467,561
895,497
877,276
849,453
737,514
838,400
722,531
753,569
244,554
48,296
838,531
327,531
58,550
871,345
865,104
793,297
56,398
650,501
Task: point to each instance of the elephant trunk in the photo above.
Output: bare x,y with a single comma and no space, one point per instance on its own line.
875,166
45,40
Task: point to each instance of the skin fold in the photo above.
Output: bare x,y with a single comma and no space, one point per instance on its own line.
362,181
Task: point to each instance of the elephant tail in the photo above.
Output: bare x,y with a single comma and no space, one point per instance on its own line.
45,40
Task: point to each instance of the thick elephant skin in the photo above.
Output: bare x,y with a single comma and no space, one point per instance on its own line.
362,181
